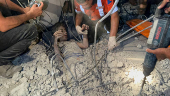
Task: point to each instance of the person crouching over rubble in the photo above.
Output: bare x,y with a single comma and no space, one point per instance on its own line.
60,35
15,36
95,10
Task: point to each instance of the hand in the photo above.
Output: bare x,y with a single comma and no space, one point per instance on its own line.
164,2
160,53
83,29
112,42
25,10
35,11
58,34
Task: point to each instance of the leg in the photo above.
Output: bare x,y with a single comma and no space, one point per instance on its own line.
14,42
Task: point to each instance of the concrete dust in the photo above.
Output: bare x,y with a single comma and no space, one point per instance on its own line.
114,69
118,73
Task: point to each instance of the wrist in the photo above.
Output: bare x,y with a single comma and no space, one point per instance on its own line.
29,15
22,10
111,35
167,53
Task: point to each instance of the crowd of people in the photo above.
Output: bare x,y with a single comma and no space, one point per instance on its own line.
16,34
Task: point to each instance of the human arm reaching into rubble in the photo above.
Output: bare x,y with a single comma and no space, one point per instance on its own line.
113,30
84,32
161,53
95,10
164,2
11,22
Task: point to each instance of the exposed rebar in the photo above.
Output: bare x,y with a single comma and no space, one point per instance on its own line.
134,27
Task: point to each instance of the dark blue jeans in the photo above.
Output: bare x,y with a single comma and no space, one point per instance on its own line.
16,41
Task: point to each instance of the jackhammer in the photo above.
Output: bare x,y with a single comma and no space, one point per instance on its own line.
159,37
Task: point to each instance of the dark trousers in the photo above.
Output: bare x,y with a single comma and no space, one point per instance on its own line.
15,41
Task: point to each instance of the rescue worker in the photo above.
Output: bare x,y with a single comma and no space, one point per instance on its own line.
161,53
15,37
95,10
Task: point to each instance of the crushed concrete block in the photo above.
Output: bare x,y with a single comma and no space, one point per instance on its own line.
21,90
57,72
136,38
6,85
67,94
24,79
120,64
42,71
29,73
31,77
17,76
61,92
48,81
38,93
112,64
4,93
26,68
42,87
139,46
33,69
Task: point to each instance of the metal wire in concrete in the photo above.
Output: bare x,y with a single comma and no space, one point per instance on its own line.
134,34
134,27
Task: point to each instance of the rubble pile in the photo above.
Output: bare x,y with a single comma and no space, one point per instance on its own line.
117,73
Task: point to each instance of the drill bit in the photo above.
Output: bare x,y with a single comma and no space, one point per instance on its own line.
142,86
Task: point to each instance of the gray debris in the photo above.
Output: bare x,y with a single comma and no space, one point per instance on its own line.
139,46
41,71
120,64
21,90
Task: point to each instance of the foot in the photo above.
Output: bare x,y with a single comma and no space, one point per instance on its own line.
8,71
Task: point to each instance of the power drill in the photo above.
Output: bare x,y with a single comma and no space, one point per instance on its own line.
159,37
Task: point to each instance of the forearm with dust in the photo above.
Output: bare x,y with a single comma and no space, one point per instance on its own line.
79,18
56,49
114,24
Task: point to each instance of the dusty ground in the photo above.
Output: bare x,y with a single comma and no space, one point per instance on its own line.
121,70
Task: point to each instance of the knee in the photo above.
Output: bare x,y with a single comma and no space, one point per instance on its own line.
31,32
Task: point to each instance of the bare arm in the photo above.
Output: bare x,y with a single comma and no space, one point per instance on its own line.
167,53
10,22
85,43
114,24
161,53
12,6
79,18
56,49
